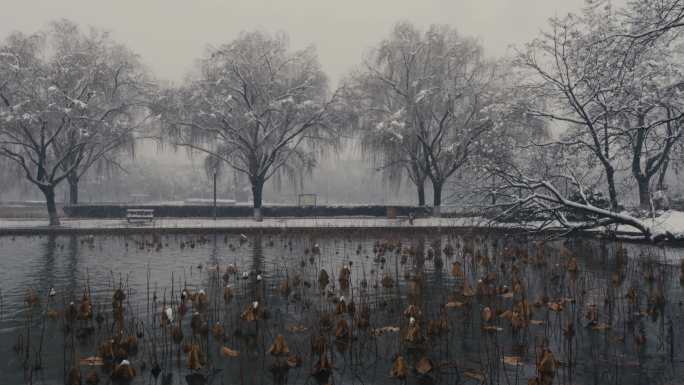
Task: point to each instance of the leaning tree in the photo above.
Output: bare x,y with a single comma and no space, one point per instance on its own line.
619,98
255,105
56,116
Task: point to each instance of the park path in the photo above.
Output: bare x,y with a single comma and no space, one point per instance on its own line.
85,225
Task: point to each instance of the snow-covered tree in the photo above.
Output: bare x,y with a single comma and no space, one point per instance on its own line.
61,103
430,98
380,94
619,100
649,20
255,105
110,79
455,106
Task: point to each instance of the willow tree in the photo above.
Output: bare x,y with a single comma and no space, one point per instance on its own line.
429,96
110,80
56,119
255,105
455,106
381,93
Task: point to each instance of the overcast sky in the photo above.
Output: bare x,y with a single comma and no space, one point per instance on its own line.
171,34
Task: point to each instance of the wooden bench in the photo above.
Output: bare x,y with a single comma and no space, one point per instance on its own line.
139,215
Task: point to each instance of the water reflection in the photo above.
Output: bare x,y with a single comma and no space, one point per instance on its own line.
635,290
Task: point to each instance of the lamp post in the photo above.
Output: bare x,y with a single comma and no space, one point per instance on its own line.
214,194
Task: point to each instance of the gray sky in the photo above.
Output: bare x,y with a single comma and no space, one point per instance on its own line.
171,34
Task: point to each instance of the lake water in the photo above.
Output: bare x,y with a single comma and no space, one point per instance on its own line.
624,301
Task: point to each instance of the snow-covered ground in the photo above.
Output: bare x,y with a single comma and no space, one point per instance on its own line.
671,222
246,223
668,222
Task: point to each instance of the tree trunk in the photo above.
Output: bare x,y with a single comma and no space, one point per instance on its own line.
236,186
663,173
257,194
421,193
644,193
612,191
437,198
418,178
73,189
49,193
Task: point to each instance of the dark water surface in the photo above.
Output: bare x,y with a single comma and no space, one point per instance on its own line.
636,335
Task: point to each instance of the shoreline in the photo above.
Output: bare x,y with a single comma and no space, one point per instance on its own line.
88,226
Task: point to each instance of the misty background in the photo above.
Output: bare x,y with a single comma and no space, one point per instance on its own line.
170,35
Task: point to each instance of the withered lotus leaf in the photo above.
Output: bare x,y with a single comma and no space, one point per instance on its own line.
294,361
196,323
194,358
616,278
424,365
600,327
438,326
546,366
387,281
523,307
201,302
342,329
74,376
467,290
323,278
487,314
123,371
492,328
454,304
413,334
477,376
555,306
177,334
456,270
592,314
106,349
52,314
318,343
279,347
413,311
341,307
322,367
383,330
512,360
251,313
284,288
399,368
85,311
296,328
228,352
569,330
91,361
217,331
227,294
517,321
344,277
92,378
